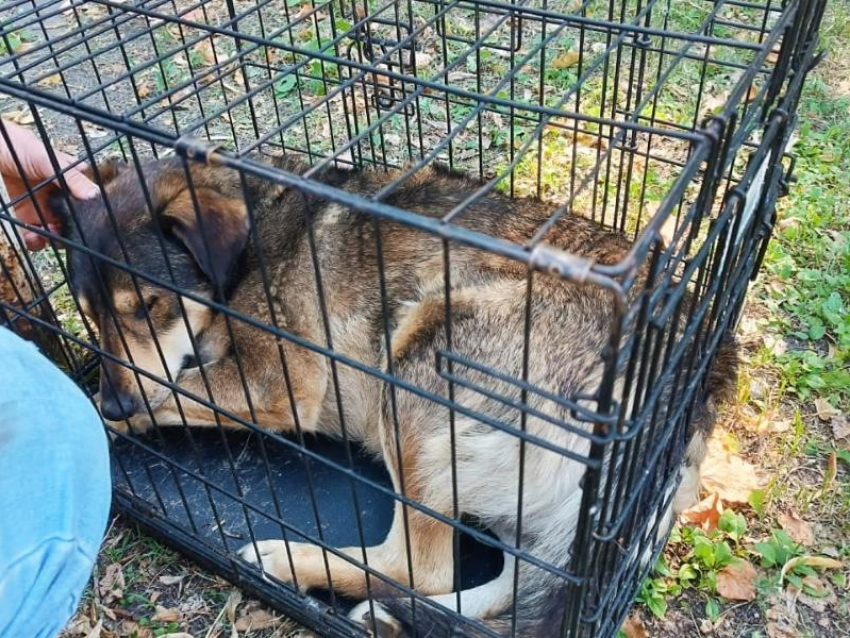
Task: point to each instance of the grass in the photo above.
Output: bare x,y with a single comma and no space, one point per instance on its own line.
797,379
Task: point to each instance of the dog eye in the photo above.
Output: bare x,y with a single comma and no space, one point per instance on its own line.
148,306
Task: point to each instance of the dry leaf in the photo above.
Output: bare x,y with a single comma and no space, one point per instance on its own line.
305,10
634,627
255,620
79,626
95,632
566,60
232,603
773,57
752,94
825,410
171,580
840,427
195,15
51,80
818,562
728,475
93,131
22,116
144,90
113,578
165,614
798,529
778,630
204,49
706,513
422,59
736,581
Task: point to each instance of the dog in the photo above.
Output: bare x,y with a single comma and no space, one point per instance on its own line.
313,268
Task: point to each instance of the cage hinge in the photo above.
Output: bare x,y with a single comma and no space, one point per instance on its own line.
562,263
643,40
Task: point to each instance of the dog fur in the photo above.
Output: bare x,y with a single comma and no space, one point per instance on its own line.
152,225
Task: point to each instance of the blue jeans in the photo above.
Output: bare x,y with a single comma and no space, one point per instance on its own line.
54,492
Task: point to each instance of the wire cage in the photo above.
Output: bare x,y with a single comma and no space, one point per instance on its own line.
501,372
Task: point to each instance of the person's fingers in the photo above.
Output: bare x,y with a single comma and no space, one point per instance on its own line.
81,186
33,241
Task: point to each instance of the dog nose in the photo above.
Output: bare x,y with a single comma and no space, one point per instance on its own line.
116,406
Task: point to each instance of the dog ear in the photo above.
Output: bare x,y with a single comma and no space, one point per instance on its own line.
217,239
57,201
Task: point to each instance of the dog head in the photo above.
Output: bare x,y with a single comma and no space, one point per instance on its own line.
152,225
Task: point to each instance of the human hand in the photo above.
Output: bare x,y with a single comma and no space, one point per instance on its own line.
35,164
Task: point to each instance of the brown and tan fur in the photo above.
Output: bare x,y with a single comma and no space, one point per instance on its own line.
570,326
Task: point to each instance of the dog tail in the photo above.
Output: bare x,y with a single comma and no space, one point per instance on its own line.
723,373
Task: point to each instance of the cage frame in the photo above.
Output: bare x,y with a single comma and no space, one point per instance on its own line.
713,148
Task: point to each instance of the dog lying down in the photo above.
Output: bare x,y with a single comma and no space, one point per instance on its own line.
570,327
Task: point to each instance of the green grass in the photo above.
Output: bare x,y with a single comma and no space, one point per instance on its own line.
801,302
806,284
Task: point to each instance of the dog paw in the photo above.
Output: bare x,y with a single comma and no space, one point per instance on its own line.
271,556
376,620
135,425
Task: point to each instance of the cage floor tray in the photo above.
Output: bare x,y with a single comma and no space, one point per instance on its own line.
220,487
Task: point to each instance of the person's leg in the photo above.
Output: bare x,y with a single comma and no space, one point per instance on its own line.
54,491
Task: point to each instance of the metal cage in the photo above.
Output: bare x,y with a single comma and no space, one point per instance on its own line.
664,121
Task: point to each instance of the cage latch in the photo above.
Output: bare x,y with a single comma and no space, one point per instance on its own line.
559,262
196,149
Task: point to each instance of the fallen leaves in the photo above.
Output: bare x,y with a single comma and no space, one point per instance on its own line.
144,90
798,529
51,80
752,94
825,411
111,586
737,581
634,627
95,632
232,603
205,51
171,580
22,116
706,513
165,614
566,60
816,562
255,620
727,474
840,427
93,131
422,59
